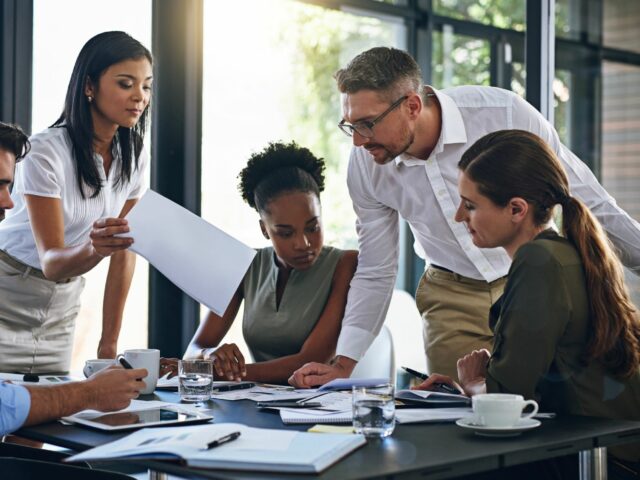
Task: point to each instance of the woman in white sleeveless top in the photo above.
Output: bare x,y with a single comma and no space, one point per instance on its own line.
82,175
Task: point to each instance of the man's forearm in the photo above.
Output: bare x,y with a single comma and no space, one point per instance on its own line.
52,402
344,364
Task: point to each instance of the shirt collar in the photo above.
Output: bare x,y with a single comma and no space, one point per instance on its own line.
452,131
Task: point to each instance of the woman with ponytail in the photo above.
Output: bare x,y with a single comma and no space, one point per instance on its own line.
566,332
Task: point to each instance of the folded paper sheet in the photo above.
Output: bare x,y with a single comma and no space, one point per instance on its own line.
202,260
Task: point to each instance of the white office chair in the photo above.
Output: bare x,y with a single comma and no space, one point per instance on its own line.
405,323
379,360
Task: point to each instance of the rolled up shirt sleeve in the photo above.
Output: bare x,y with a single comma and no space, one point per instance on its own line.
15,403
374,280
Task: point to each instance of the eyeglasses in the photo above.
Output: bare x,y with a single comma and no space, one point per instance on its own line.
365,127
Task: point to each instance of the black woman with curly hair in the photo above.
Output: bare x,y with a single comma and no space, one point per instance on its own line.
295,291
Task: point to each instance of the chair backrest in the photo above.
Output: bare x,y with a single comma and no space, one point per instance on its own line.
405,323
379,360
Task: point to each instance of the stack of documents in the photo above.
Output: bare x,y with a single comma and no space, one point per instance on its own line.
255,449
429,399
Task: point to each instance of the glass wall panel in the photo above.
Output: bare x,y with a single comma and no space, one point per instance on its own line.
562,104
459,60
568,18
394,2
620,24
498,13
272,79
621,141
60,29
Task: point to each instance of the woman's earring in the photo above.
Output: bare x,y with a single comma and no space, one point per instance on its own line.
90,98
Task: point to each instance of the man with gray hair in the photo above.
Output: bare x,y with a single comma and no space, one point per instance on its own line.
408,138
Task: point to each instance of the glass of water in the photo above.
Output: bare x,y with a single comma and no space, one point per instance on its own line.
374,410
195,380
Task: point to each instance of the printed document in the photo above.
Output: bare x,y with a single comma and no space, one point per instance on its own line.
202,260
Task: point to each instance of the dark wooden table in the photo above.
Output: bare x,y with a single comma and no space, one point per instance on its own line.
418,450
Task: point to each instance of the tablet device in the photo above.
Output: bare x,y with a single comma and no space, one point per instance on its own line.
154,417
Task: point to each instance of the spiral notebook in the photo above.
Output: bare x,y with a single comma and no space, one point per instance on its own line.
307,416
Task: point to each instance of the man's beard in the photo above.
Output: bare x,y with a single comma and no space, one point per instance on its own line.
391,154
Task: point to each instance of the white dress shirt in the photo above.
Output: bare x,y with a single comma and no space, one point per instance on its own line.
48,170
425,194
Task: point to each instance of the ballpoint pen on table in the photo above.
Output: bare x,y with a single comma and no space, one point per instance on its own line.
305,400
424,376
219,441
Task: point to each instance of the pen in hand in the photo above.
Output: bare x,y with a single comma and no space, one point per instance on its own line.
123,361
219,441
424,376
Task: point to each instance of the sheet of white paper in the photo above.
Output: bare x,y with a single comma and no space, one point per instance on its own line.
419,415
281,396
202,260
165,382
243,394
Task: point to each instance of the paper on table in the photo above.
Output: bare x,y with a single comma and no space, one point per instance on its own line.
427,415
202,260
166,383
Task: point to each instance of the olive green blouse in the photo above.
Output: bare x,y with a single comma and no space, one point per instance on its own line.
541,325
273,332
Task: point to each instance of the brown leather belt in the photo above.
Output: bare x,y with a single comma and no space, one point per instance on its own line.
438,267
25,269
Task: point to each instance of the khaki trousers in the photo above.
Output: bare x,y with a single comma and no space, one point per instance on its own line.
455,314
37,319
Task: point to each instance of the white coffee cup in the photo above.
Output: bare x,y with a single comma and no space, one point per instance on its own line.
501,410
96,364
148,358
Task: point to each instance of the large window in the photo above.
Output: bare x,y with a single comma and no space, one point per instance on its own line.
60,30
272,80
621,142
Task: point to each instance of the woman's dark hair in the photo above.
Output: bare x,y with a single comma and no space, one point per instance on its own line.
516,163
278,169
98,54
14,140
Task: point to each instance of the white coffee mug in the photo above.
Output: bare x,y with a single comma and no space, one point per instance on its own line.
95,365
501,410
148,358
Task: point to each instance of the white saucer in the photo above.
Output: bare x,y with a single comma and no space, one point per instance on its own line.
523,424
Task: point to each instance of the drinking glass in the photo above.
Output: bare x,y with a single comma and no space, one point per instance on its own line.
195,380
374,410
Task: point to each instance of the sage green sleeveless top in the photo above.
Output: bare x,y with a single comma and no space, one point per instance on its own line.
272,332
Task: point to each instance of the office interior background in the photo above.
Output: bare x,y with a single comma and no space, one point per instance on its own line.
231,76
